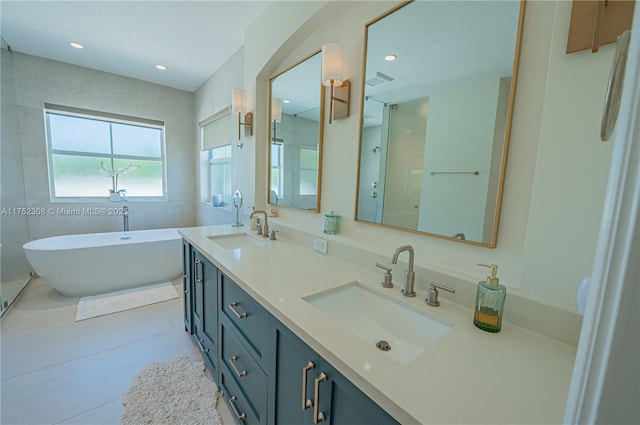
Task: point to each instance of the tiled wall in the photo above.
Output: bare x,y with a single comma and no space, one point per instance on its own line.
40,80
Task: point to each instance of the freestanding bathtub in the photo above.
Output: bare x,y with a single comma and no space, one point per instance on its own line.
103,262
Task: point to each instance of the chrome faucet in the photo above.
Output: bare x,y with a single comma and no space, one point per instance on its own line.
409,275
265,228
125,216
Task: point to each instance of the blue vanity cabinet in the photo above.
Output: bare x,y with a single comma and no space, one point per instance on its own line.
307,387
267,374
205,309
187,298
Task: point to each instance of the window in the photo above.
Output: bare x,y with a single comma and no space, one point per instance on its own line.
220,174
92,154
308,171
216,144
276,188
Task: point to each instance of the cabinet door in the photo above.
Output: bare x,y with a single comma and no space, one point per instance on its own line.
342,403
197,289
329,397
295,372
205,314
187,286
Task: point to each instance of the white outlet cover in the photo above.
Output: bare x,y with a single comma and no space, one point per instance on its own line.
320,245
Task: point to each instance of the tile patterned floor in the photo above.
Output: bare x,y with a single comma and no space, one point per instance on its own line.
57,371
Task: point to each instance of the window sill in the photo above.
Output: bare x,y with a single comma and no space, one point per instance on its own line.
225,207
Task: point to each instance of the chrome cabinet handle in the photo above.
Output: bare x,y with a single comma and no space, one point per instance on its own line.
306,403
239,315
195,271
232,360
318,416
204,350
232,403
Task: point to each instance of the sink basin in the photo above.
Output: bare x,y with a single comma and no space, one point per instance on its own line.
236,241
375,318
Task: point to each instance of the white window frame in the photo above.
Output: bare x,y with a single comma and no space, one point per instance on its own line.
226,197
280,169
109,118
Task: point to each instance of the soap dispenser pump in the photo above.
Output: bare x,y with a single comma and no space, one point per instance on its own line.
490,302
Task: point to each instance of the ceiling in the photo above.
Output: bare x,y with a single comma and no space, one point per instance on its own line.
192,39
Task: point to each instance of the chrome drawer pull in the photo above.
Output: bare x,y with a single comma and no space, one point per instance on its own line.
239,315
232,360
306,403
195,271
204,350
232,403
318,416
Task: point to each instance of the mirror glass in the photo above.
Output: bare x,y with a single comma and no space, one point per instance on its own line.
295,154
438,95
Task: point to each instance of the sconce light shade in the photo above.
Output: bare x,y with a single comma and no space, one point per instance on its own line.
239,106
332,64
238,101
276,110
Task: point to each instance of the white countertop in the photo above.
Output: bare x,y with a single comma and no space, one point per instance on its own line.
468,376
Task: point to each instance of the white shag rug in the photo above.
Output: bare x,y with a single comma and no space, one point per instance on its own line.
172,392
113,302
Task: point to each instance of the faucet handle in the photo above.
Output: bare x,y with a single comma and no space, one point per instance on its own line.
432,294
387,283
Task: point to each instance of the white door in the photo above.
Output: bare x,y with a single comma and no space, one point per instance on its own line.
605,387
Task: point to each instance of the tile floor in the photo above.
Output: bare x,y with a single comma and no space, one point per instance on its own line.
57,371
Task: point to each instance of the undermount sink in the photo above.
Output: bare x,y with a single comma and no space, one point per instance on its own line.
236,241
384,323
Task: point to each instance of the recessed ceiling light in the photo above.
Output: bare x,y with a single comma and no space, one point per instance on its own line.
161,67
76,45
286,101
390,58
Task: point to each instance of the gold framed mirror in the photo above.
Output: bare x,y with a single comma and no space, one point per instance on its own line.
295,135
438,90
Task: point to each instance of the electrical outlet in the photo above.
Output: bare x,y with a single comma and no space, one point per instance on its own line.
320,245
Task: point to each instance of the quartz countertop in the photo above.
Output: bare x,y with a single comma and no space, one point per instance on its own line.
468,376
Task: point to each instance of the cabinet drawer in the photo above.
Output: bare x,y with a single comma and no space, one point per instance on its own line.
242,367
246,315
241,410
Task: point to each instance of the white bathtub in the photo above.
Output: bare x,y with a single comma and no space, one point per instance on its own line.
103,262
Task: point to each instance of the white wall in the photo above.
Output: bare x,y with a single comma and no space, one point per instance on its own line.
212,96
40,80
557,168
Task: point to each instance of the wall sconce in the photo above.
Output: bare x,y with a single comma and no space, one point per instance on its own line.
239,106
332,77
276,117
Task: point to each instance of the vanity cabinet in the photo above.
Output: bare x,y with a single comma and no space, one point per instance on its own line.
268,376
310,391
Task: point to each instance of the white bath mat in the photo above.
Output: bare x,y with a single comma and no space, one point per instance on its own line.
99,305
172,392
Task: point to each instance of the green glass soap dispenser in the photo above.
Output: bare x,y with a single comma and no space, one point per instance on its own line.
490,302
